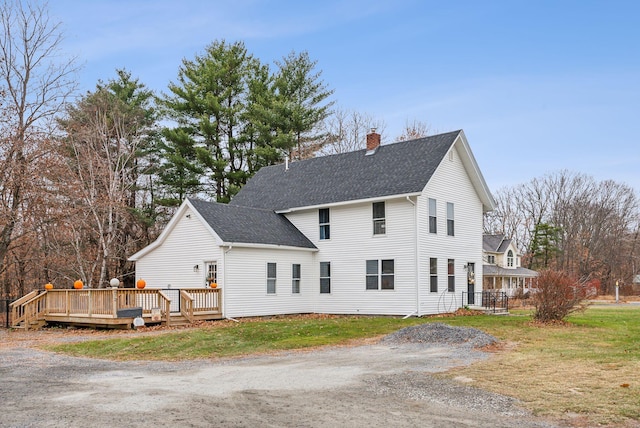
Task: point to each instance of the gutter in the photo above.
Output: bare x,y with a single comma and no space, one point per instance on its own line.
224,278
415,261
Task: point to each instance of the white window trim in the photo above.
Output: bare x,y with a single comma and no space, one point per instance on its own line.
452,219
324,277
383,219
275,279
435,215
328,224
379,275
299,279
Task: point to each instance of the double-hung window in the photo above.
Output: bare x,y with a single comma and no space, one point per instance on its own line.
450,224
325,277
380,275
433,216
379,222
451,276
323,220
295,278
271,278
433,271
510,258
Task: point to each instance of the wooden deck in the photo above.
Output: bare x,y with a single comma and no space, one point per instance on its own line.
114,307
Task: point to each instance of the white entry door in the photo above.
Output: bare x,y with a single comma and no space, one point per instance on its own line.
212,273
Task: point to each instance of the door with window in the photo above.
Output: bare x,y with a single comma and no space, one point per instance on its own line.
471,283
212,274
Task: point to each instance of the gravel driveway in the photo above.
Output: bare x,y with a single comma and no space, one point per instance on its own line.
386,384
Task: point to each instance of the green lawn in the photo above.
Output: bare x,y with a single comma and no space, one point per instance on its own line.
228,338
586,372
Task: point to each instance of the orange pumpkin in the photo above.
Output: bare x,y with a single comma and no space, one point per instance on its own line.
213,285
141,283
78,285
48,286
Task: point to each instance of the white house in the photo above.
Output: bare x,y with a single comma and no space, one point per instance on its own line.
502,269
391,230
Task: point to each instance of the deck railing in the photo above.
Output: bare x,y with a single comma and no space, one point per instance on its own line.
17,308
490,300
105,303
186,305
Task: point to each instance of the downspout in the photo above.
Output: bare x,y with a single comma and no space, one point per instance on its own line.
415,262
224,284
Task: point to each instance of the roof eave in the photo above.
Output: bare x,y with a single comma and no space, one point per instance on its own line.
351,202
268,246
470,163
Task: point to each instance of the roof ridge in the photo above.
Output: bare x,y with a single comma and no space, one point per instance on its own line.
229,205
363,150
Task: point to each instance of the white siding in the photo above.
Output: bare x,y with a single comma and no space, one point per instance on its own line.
245,289
450,183
352,243
171,265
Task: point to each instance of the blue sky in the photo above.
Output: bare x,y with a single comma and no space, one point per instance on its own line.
537,86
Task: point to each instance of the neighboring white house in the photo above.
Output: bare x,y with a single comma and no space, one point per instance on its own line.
502,269
392,230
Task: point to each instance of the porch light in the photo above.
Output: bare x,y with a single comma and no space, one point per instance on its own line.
115,282
196,268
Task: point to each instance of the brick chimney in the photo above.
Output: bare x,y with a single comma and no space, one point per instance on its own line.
373,140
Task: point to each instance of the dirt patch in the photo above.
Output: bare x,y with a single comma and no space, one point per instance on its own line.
367,385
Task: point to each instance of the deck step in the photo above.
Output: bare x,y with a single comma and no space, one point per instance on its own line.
178,320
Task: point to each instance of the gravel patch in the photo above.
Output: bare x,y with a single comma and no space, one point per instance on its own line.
439,333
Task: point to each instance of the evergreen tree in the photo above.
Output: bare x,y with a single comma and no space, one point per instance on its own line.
301,104
233,117
207,104
544,245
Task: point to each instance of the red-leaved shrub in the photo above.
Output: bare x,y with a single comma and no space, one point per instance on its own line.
558,295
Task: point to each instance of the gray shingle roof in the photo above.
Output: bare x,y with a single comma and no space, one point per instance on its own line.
495,243
249,225
492,270
393,169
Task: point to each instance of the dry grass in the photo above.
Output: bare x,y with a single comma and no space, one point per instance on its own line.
585,373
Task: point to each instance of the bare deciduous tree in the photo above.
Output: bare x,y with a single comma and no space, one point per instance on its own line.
597,223
103,140
34,87
414,130
347,130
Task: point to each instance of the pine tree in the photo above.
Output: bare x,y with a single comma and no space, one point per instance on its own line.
300,104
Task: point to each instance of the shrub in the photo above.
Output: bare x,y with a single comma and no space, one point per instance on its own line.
559,295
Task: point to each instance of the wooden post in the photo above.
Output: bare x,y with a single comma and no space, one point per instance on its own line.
114,309
167,306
